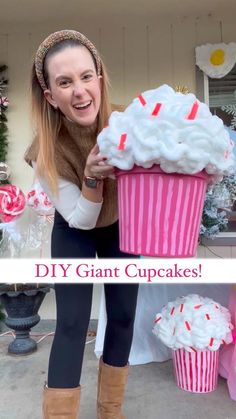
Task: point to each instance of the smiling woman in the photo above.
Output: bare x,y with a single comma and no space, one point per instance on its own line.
70,107
74,84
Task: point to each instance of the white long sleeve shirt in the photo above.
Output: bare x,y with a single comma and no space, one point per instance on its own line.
78,211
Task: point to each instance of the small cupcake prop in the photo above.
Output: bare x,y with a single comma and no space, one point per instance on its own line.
228,353
194,327
38,201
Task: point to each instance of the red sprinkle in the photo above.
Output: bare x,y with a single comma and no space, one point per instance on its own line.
156,110
208,317
193,112
187,325
158,319
211,342
121,145
181,308
172,311
198,306
142,100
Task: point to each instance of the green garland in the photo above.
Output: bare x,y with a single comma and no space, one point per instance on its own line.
3,117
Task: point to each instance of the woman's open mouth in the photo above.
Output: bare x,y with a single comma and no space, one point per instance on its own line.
83,106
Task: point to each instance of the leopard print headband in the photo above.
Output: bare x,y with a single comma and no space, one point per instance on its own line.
54,39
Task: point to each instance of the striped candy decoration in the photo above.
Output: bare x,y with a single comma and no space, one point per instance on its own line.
196,371
160,213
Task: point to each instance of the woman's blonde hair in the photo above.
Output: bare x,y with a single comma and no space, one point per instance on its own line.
47,120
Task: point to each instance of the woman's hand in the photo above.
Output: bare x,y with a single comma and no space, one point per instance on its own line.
96,165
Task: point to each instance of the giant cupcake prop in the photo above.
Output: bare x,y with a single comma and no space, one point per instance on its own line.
166,145
194,327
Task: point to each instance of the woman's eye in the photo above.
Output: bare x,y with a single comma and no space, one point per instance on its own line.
64,83
87,77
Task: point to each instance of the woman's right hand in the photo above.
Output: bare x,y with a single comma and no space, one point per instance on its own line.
96,165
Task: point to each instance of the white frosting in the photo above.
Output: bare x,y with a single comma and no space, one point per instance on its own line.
170,139
181,324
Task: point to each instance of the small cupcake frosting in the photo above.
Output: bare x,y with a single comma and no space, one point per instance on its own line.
193,323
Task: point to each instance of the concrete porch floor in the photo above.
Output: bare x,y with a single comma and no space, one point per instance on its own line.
151,391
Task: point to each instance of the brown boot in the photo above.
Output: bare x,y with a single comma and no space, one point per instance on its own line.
61,403
111,389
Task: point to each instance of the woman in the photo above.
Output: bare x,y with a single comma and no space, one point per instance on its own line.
70,106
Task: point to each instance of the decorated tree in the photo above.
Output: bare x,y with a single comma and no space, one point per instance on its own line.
214,217
3,129
218,203
222,197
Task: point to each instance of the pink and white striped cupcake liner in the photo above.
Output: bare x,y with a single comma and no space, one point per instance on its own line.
196,371
160,213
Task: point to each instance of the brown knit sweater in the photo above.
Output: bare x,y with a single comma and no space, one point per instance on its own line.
72,148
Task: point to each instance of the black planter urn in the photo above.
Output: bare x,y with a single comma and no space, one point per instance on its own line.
22,314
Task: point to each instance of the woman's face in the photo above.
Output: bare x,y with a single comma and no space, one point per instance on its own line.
74,84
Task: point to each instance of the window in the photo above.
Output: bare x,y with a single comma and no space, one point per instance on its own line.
222,102
220,95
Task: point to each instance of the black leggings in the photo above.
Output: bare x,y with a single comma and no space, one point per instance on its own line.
74,305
